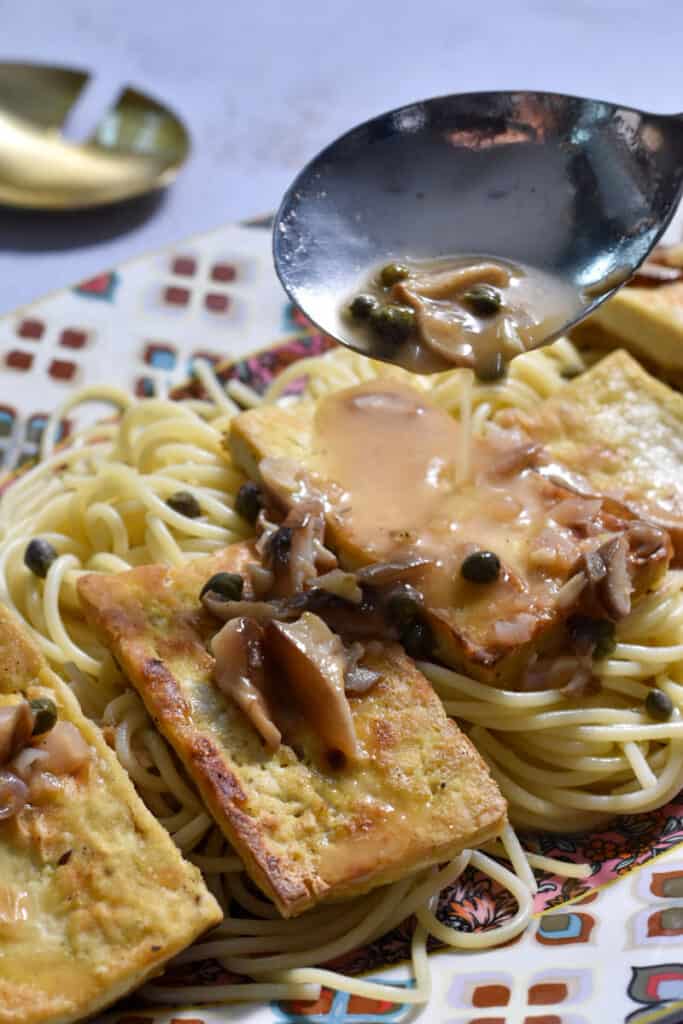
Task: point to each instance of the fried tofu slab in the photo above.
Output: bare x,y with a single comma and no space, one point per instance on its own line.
387,463
94,896
618,431
646,321
418,794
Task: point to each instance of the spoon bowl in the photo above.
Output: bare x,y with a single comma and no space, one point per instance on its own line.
578,188
137,146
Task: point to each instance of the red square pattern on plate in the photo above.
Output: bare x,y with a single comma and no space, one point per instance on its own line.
62,369
17,360
71,337
216,303
184,266
175,296
32,329
223,272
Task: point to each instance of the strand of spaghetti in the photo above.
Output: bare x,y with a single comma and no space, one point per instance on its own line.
526,807
260,908
643,653
187,837
355,986
566,869
53,619
179,820
249,926
279,941
133,720
209,380
620,733
423,891
244,395
117,397
518,858
117,540
641,769
241,992
379,902
524,770
624,686
163,762
623,719
504,932
665,787
446,677
161,543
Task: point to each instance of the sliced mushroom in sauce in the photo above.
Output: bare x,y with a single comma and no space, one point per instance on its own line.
239,673
314,662
463,311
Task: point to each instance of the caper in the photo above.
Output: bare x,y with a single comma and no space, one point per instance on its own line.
185,504
570,372
249,501
489,370
659,705
403,604
394,323
226,585
416,637
44,715
481,567
392,273
39,556
591,636
278,547
362,306
483,299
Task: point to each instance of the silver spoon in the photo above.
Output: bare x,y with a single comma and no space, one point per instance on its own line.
579,188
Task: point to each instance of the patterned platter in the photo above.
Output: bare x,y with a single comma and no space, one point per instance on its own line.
604,949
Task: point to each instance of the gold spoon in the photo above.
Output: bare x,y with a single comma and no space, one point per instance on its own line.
136,147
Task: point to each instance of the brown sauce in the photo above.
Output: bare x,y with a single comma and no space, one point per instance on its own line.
396,462
459,311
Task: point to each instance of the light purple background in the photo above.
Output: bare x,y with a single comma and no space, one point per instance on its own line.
264,85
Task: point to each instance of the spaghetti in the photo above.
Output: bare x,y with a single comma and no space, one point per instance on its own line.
101,502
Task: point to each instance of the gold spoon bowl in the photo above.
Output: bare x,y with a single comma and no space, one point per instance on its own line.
138,145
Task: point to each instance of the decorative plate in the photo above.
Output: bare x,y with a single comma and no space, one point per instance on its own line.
595,950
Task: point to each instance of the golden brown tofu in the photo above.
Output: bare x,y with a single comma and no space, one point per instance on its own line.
94,896
390,466
418,793
619,432
646,321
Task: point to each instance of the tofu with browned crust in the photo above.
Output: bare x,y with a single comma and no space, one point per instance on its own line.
94,896
389,465
618,431
646,321
418,795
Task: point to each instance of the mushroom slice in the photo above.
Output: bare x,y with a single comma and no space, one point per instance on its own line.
615,589
260,611
383,574
342,584
290,553
66,749
13,795
239,674
313,660
16,726
357,678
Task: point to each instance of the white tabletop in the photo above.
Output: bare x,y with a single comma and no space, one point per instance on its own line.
264,84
